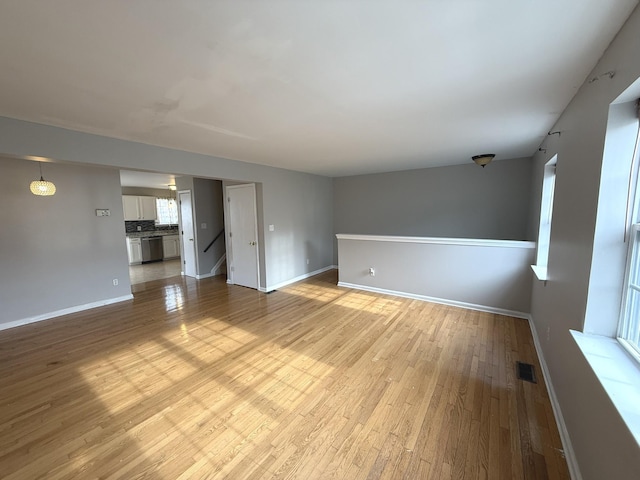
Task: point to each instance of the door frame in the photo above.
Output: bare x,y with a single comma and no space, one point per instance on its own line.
182,241
227,228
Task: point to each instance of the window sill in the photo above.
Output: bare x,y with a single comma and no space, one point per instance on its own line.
541,272
618,373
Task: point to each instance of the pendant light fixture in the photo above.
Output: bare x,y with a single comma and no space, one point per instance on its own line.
42,187
483,159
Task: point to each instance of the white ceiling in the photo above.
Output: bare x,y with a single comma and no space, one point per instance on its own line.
329,87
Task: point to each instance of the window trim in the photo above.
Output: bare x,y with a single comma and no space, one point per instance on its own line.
633,253
632,235
546,216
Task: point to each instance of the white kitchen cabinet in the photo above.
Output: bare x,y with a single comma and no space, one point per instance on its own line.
139,207
147,208
134,249
171,246
130,207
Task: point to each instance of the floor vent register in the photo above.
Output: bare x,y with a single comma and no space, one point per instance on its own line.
526,372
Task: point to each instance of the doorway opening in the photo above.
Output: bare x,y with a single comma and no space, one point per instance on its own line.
154,271
198,220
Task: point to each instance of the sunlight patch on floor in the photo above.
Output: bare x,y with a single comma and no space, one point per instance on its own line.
314,292
173,297
369,303
142,372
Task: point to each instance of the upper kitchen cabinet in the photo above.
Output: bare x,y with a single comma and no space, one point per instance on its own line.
139,207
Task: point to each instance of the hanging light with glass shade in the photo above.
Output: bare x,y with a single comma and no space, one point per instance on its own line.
483,159
42,187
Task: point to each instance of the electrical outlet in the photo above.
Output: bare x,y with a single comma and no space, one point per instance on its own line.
115,282
548,333
372,271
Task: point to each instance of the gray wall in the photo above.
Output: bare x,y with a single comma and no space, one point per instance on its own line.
464,201
299,205
184,183
54,252
602,443
488,276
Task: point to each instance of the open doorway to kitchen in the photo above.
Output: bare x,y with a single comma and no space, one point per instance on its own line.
154,271
153,226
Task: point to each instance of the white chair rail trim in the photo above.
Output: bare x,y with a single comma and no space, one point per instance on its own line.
475,242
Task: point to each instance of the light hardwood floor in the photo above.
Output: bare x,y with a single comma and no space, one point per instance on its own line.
198,379
154,271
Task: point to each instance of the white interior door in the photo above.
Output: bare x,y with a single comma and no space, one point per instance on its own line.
243,234
187,236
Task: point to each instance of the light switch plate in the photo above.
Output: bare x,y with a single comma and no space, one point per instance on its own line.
103,212
272,228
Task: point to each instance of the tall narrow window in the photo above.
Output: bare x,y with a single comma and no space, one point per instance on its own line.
629,324
546,210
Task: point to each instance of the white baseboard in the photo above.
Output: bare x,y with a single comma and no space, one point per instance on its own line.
216,268
64,311
206,275
443,301
213,271
570,456
271,288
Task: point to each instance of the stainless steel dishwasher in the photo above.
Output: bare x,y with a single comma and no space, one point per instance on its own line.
151,249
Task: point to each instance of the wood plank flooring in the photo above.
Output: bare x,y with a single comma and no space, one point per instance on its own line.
202,380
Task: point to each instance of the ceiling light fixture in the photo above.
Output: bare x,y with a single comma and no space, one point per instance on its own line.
42,187
172,192
483,159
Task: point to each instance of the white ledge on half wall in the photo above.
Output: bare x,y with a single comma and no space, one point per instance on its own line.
476,242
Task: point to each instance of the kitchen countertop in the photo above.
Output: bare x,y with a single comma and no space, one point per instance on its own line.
152,233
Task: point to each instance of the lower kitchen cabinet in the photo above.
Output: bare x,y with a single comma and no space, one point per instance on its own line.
134,249
171,246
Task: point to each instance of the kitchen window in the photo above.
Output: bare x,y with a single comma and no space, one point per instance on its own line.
167,211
